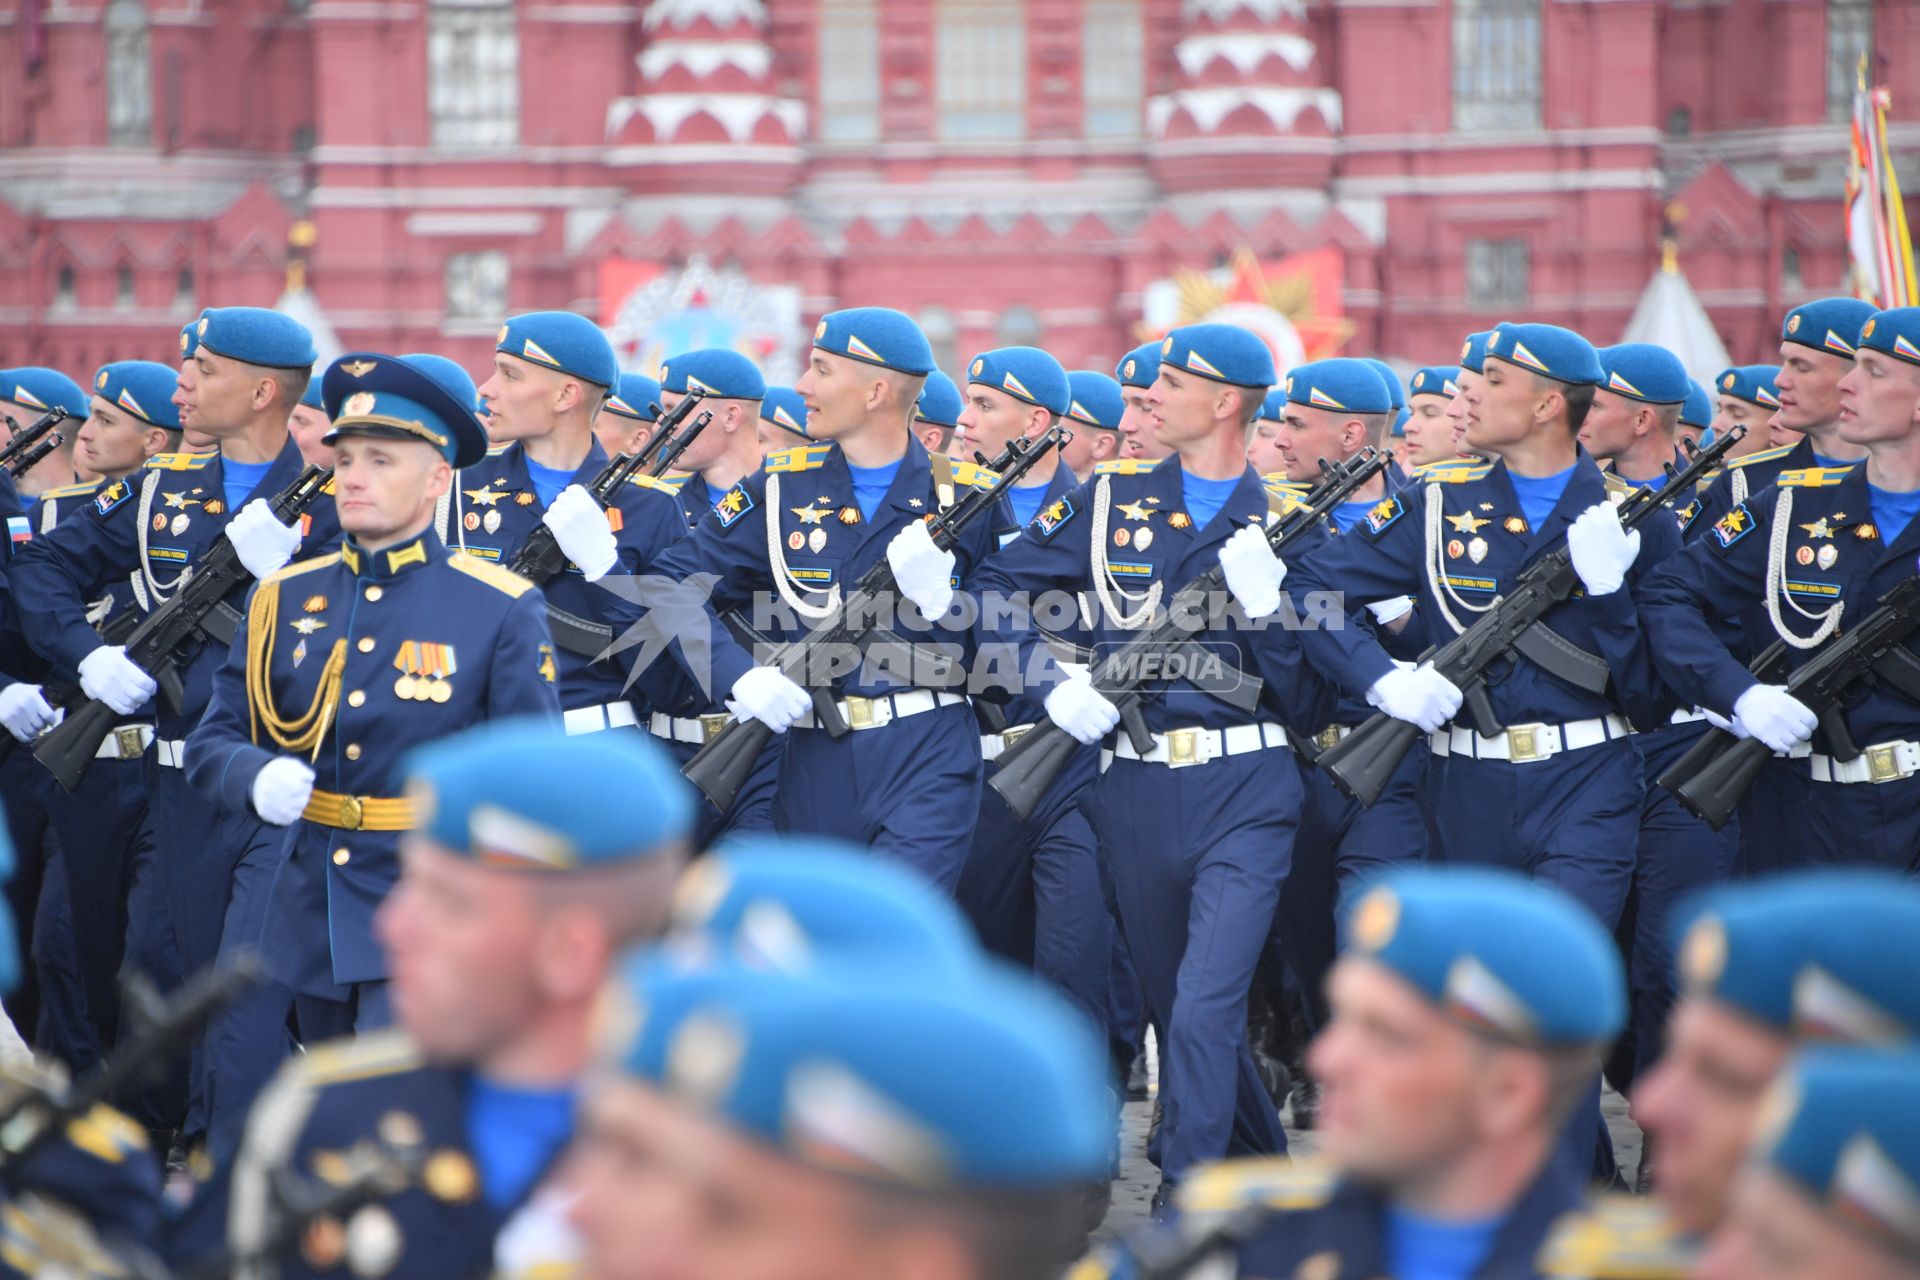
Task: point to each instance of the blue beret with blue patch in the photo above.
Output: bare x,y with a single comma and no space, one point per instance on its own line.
1222,352
1821,955
1844,1126
940,401
561,340
1507,956
1697,409
1025,373
449,374
1338,385
41,389
1753,383
142,388
1827,324
876,335
635,396
1389,377
1548,350
1895,333
1645,372
1140,366
366,393
256,335
786,408
508,795
714,370
1096,400
1473,352
1435,380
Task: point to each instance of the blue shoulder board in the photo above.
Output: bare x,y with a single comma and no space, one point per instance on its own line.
799,458
974,475
1813,477
1765,455
180,461
1125,466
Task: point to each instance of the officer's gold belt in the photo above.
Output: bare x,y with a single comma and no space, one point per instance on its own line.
361,813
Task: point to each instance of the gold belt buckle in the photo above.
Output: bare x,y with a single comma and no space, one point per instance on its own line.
1183,746
710,726
351,812
860,713
1327,738
127,738
1523,743
1883,765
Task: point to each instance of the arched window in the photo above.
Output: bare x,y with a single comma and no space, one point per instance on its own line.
1849,41
129,75
1496,64
123,290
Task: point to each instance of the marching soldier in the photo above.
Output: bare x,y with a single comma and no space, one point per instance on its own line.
25,394
308,426
783,420
1747,398
627,420
1473,357
1429,432
1696,415
729,449
936,414
1095,409
1136,373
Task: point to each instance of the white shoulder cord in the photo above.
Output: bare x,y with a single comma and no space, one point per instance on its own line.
1104,584
783,579
1829,619
148,488
1442,589
1738,485
443,512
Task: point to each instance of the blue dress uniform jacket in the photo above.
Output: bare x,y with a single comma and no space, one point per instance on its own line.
100,1169
1740,479
1802,549
378,652
492,508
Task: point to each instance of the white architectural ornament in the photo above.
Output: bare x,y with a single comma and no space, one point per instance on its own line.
1225,10
1246,50
738,113
1209,106
722,13
704,57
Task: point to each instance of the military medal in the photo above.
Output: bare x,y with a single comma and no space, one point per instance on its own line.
1863,531
1456,548
491,521
523,499
849,515
159,522
1477,550
403,688
300,652
1121,537
1828,554
313,604
1143,539
407,659
1515,525
1804,555
816,540
796,540
1180,520
179,525
471,520
214,506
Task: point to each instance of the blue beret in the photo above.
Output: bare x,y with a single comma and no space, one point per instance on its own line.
1643,371
256,335
1697,410
1845,1126
1388,376
1503,954
1400,421
790,902
509,795
1223,352
784,407
940,401
189,339
877,335
1751,382
1548,350
449,374
1895,333
1825,955
143,388
45,389
1473,352
1096,400
366,393
714,370
564,341
1827,324
1025,373
635,396
311,396
1435,380
1140,366
1274,407
1339,385
989,1082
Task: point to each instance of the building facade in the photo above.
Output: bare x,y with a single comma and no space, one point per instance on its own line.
1385,174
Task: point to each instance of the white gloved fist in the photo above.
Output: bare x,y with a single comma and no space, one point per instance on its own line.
1386,611
1771,714
581,528
923,570
1602,550
109,676
1421,697
281,790
25,712
1720,722
265,545
767,695
1082,710
1253,572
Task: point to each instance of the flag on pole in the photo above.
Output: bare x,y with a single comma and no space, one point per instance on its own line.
1877,239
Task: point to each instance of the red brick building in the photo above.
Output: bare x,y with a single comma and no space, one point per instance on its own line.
1059,171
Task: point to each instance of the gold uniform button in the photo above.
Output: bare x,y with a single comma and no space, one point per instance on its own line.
374,593
358,698
366,644
341,857
353,751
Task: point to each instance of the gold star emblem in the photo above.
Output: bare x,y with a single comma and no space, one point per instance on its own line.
811,514
915,503
733,504
1818,528
1467,522
1134,511
180,500
483,497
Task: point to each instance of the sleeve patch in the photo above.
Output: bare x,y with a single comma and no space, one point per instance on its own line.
112,496
1048,522
1384,513
1733,526
735,504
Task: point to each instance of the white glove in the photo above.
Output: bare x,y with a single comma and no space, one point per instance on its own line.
281,790
1386,611
1082,710
1253,572
1602,550
1771,714
924,571
581,528
765,694
24,711
1421,696
110,676
1720,722
265,545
